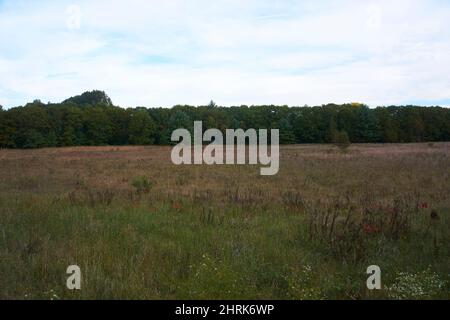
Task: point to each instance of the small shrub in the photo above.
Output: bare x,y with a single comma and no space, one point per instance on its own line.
181,180
142,185
341,140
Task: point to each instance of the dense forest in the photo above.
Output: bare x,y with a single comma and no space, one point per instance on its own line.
92,119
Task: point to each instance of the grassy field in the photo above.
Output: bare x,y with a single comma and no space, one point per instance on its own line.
142,228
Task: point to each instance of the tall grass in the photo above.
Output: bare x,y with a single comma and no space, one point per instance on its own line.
142,228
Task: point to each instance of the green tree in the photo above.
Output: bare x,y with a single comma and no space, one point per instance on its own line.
141,128
366,128
7,130
212,104
179,120
93,98
92,119
287,135
32,127
97,126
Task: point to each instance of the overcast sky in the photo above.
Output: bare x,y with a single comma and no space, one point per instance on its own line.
162,53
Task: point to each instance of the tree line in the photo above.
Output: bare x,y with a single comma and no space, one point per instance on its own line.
92,119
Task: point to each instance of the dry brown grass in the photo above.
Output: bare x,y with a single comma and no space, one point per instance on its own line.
313,171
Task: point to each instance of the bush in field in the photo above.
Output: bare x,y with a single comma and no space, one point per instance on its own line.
341,140
142,185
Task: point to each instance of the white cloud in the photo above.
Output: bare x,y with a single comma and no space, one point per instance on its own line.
160,53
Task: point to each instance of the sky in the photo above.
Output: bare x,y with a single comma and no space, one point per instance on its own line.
162,53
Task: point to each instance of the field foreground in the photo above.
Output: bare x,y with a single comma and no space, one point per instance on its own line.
140,227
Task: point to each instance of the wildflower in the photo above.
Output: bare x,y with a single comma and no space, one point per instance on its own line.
423,205
177,206
371,229
420,285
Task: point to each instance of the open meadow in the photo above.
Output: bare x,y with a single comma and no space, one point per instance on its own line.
140,227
